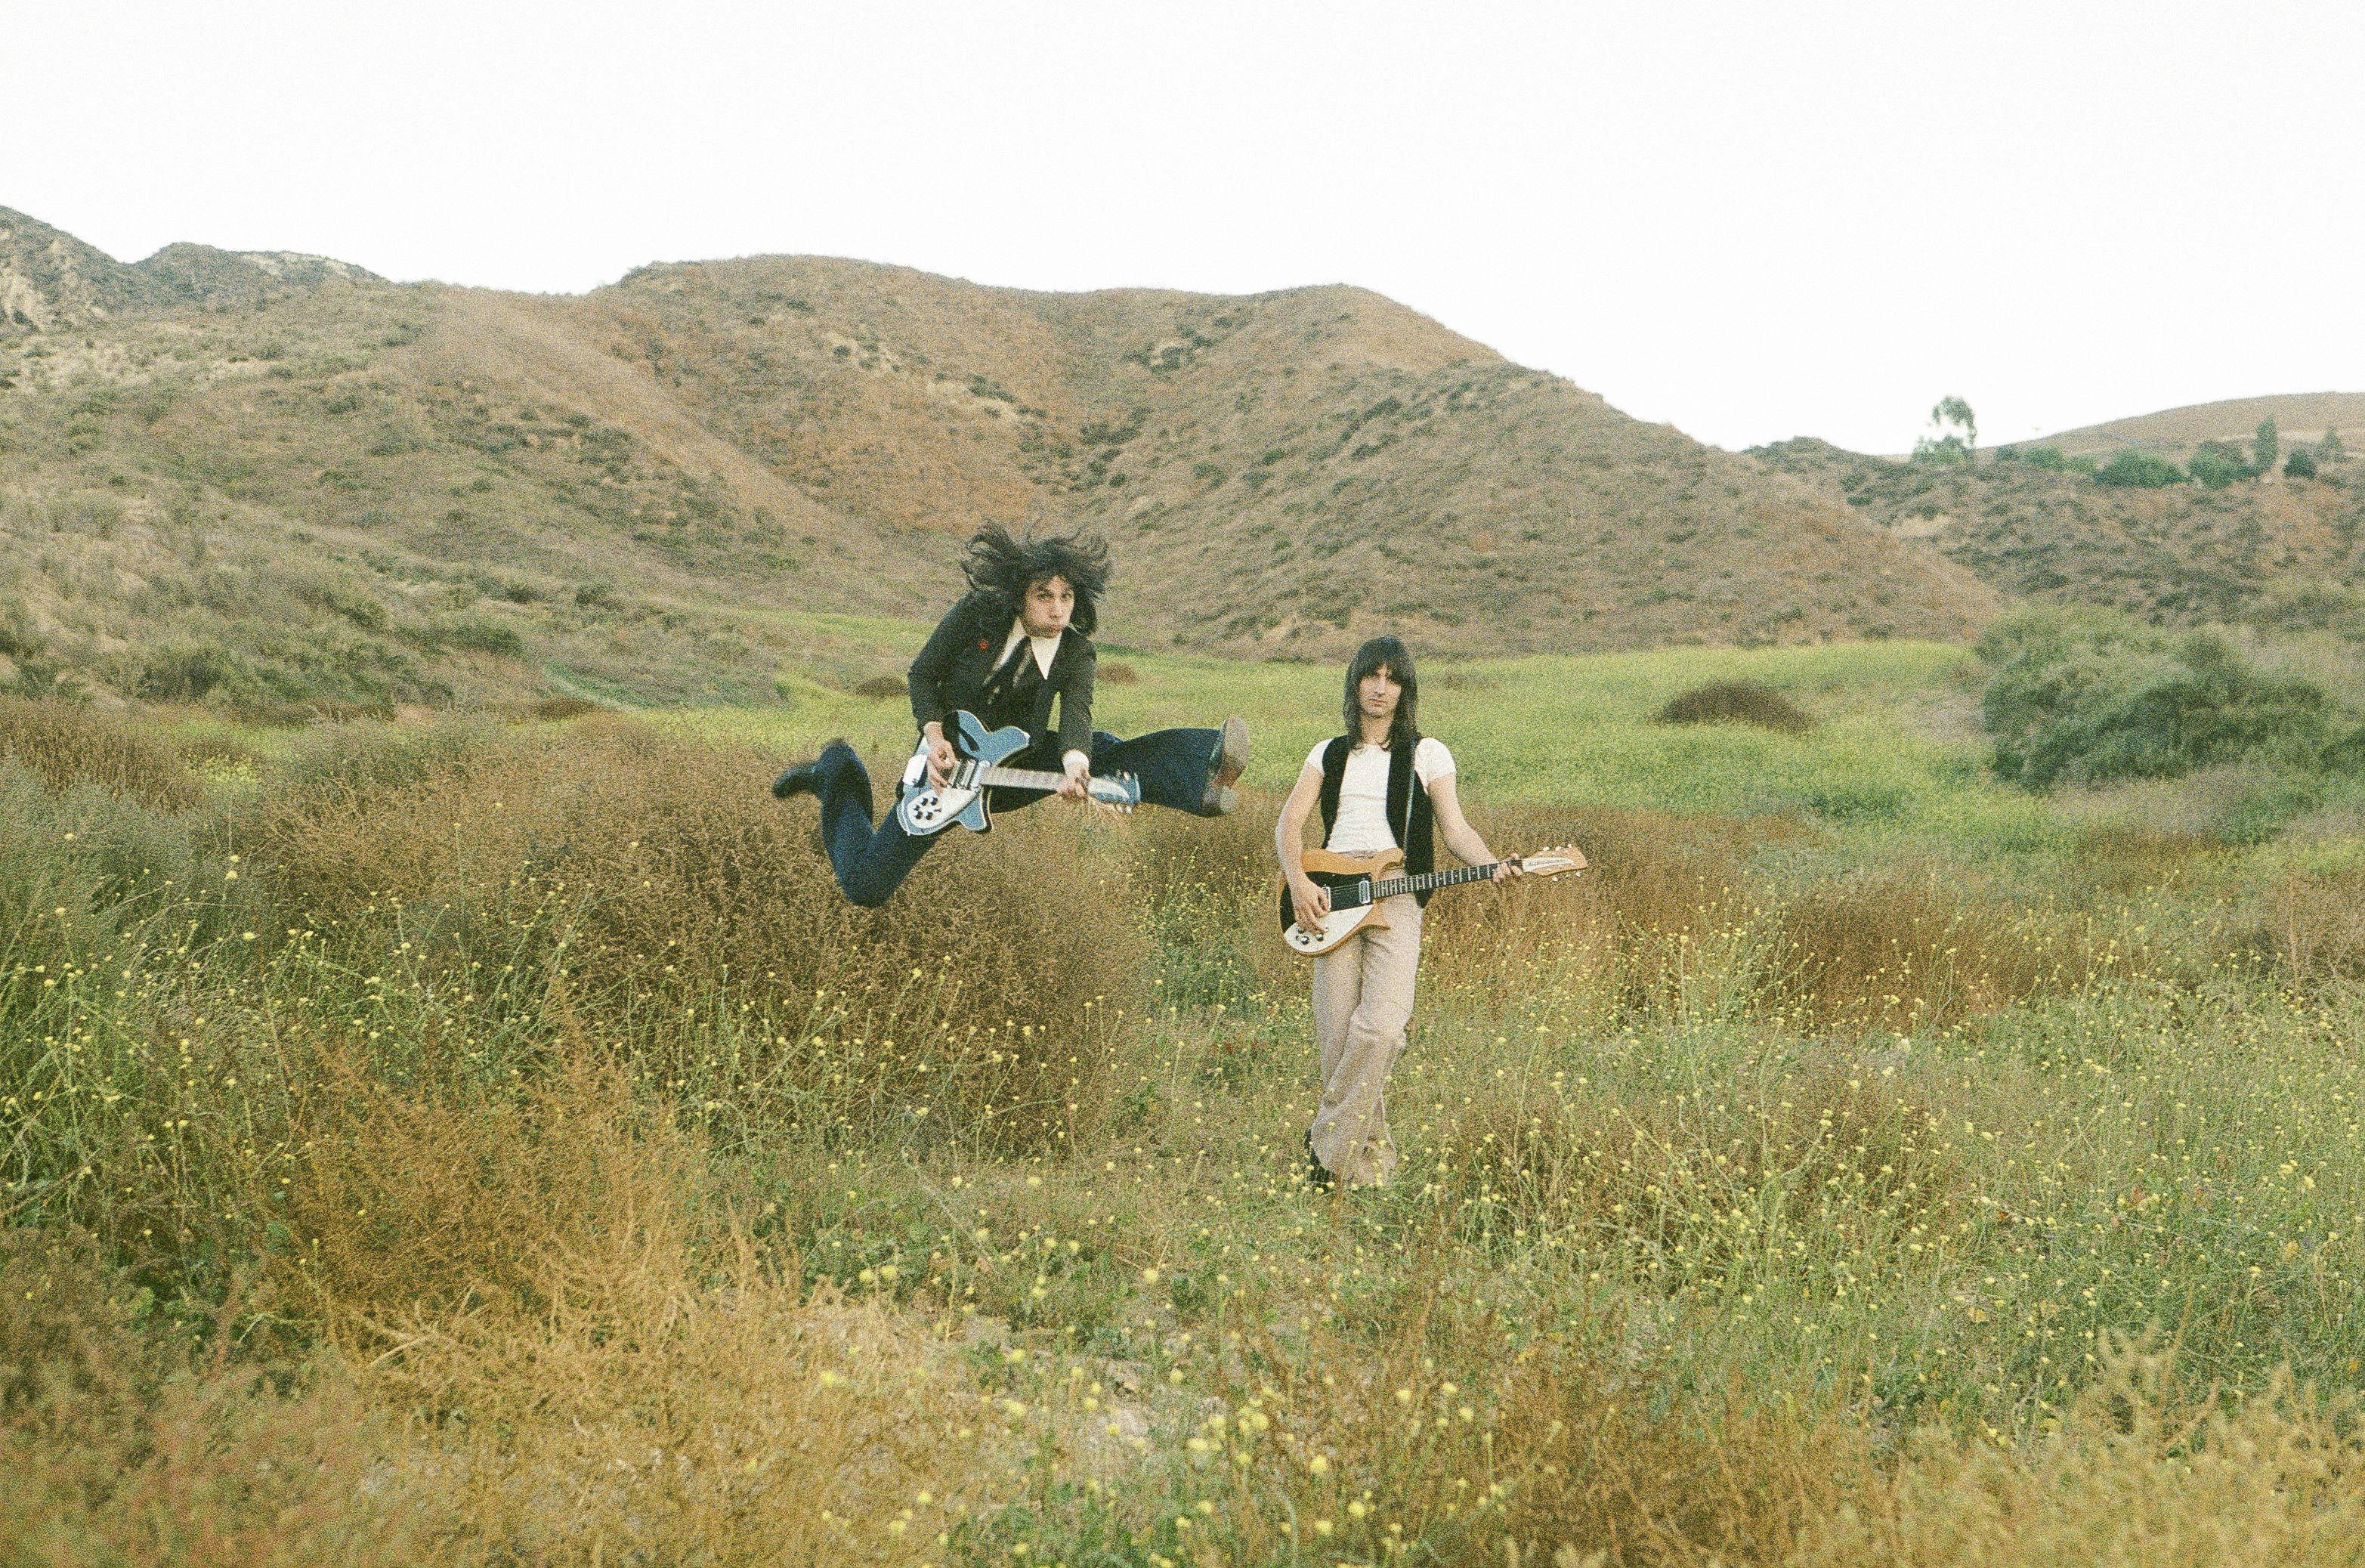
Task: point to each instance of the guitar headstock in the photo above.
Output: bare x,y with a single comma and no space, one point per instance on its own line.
1117,791
1558,860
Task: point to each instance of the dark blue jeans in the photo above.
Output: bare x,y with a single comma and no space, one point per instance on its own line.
871,863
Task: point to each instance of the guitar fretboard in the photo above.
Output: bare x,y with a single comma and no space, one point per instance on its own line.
1014,778
1423,883
978,776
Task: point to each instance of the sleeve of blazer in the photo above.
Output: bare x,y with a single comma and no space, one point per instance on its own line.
1076,703
935,663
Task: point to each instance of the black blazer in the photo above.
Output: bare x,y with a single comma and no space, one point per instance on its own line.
951,669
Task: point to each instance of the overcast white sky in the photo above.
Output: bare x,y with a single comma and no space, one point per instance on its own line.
1755,220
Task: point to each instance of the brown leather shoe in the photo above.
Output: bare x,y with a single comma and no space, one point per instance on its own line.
1224,764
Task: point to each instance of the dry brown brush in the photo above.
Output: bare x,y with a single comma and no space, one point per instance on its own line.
594,1354
1895,948
120,1444
63,745
2313,925
542,1333
672,903
2131,1477
1394,1438
1707,1181
1669,919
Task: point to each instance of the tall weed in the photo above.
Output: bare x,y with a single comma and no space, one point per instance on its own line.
666,898
64,745
120,1444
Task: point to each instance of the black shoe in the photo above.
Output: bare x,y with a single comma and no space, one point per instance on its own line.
1317,1175
1225,764
804,778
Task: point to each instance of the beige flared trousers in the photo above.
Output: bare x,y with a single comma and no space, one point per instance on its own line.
1363,1001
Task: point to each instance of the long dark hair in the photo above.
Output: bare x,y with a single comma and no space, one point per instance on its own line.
1001,569
1387,654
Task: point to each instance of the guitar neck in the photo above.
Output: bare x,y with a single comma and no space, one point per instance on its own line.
1019,778
1432,880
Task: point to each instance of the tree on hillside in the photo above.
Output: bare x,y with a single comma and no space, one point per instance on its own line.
2330,449
2130,469
1954,433
2217,464
2301,463
2265,446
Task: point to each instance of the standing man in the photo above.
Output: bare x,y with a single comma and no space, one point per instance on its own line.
1382,785
1018,641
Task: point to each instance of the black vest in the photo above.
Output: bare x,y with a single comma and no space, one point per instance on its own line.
1410,817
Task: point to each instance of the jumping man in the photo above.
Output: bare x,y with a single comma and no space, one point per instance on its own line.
1020,639
1382,785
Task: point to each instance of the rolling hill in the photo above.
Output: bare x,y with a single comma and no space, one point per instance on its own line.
2174,433
266,479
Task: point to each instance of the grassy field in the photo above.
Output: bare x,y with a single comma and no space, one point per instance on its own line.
1893,767
481,1142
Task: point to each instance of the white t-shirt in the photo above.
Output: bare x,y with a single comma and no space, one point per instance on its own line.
1361,825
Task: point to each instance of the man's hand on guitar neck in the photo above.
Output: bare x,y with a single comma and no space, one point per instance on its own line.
1077,782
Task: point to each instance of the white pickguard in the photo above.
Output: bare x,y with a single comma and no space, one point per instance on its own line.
1335,928
926,805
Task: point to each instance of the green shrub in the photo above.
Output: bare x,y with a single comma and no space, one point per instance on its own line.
1736,702
18,640
2345,753
343,596
2051,630
191,672
2089,709
474,636
2301,463
2218,464
2131,470
2313,605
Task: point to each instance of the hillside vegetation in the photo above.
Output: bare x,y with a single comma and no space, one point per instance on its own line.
2179,554
275,481
2176,433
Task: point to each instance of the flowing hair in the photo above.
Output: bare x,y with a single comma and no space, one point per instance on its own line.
1001,569
1387,654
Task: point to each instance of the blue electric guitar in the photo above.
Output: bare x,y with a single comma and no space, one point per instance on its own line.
924,809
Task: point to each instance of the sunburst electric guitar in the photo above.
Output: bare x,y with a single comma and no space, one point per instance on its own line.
924,809
1358,883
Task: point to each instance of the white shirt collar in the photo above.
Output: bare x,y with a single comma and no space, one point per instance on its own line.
1045,648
